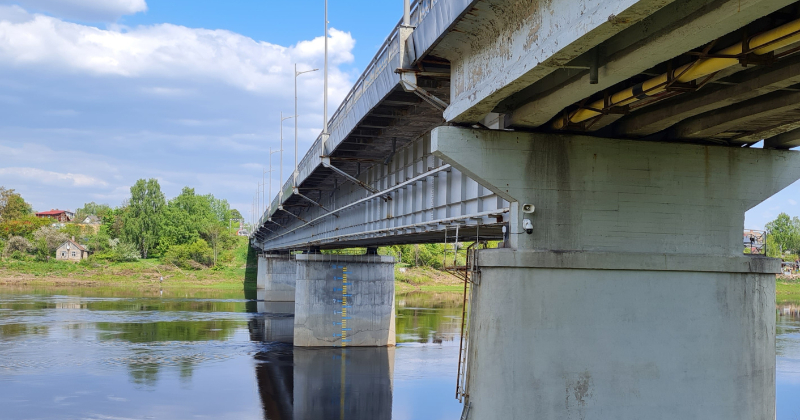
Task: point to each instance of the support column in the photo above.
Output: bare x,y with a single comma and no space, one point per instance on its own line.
276,276
344,300
276,283
627,295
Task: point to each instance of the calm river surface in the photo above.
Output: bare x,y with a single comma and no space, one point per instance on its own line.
115,354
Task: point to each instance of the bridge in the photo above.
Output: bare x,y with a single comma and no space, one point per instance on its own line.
608,145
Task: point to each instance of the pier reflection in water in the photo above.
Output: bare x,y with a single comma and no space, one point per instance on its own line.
94,353
787,346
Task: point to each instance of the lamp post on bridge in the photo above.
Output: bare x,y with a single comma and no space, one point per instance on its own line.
280,166
269,204
297,73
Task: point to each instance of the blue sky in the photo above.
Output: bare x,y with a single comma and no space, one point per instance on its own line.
96,94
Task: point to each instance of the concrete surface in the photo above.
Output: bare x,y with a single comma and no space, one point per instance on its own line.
276,276
596,194
319,301
630,298
565,343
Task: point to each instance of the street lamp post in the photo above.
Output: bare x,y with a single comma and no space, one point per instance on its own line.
325,82
270,178
280,166
297,73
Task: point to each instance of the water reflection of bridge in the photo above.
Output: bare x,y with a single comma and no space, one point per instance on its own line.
319,383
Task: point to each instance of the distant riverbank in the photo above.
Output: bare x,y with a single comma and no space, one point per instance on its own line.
148,273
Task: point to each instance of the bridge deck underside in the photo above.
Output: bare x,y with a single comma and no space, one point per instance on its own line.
421,199
525,67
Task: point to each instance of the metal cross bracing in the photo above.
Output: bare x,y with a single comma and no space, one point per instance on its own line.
418,197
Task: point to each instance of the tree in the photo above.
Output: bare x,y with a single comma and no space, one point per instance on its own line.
92,209
235,214
17,244
48,239
12,205
784,232
144,216
220,208
187,216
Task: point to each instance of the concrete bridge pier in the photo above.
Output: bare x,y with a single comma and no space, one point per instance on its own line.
625,295
344,301
275,281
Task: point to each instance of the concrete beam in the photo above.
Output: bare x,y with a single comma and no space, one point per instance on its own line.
619,195
746,121
502,46
697,24
786,140
744,86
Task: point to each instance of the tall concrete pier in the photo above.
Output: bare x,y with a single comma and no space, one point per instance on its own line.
344,300
623,292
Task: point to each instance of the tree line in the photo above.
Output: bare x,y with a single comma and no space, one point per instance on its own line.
190,230
783,237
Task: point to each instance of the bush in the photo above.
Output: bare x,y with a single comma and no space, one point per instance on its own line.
123,252
191,256
17,245
47,239
22,227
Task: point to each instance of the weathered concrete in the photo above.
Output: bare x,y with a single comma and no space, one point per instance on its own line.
596,194
689,24
567,343
344,300
276,276
352,383
502,46
630,298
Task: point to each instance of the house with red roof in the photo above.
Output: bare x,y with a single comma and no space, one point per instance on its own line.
60,215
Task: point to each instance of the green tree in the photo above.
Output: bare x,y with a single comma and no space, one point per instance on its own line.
12,205
92,209
186,217
235,214
785,233
144,216
22,227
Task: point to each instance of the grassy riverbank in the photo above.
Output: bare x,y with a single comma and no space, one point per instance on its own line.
240,274
787,290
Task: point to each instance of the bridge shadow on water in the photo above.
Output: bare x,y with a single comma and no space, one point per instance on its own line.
250,278
319,383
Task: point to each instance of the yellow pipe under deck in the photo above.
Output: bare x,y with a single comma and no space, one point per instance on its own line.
760,44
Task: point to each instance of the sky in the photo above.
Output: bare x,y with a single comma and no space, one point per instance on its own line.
96,94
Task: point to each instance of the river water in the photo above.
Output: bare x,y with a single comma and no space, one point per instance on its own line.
120,354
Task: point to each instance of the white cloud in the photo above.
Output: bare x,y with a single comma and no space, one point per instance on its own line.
190,107
162,51
86,10
49,177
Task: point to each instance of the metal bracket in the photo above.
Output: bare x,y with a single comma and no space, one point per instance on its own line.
326,162
426,96
297,193
272,221
292,214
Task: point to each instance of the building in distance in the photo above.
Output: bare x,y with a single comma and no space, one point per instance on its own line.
59,215
71,251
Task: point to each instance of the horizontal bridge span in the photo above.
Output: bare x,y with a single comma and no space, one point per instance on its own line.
418,198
